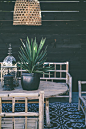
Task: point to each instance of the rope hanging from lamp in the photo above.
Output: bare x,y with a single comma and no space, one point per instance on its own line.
27,12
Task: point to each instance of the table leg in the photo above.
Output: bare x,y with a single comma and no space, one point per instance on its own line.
47,112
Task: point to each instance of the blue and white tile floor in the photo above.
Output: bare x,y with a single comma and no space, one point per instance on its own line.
63,115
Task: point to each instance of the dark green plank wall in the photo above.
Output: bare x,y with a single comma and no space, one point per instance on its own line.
65,32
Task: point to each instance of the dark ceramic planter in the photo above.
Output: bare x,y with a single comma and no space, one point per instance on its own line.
30,81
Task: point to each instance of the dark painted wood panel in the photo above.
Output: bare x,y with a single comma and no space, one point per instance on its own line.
50,16
44,29
60,6
47,23
6,16
56,43
66,40
66,48
48,1
63,16
9,6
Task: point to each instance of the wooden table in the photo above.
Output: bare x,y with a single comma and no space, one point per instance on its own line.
51,89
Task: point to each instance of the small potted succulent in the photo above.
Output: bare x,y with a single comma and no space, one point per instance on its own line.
32,59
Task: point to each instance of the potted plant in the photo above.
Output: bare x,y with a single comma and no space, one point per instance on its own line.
32,59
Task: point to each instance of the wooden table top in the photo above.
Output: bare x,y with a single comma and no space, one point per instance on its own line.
51,89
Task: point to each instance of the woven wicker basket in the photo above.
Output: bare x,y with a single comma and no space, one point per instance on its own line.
27,12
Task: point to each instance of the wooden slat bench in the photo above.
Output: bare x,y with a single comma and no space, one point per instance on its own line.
8,120
82,98
60,74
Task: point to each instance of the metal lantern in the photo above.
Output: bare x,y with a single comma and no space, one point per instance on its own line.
9,64
27,12
8,82
9,60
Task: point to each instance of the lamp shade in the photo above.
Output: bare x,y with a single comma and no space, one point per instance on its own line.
27,12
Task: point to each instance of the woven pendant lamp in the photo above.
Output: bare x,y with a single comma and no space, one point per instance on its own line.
27,12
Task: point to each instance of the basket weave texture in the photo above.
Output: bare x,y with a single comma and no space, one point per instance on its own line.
27,12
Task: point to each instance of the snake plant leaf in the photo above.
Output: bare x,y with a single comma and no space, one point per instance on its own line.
29,45
41,72
27,70
23,57
31,49
28,48
32,56
41,45
41,56
23,44
23,52
24,62
45,69
39,64
28,53
34,48
23,48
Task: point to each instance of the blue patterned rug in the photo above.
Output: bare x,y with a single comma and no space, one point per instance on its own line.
62,115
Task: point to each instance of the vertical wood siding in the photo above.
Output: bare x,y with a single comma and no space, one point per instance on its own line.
63,25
